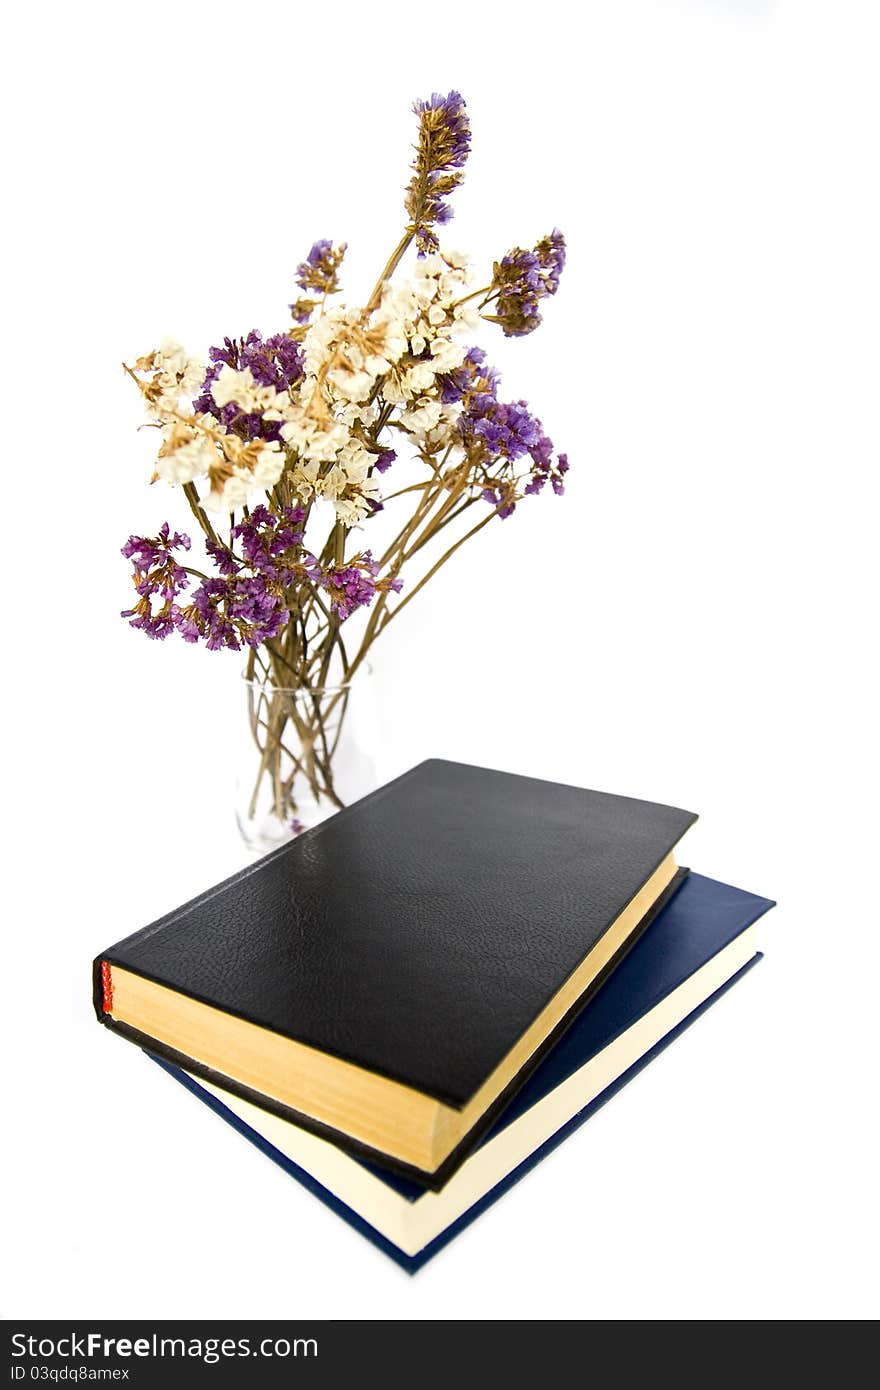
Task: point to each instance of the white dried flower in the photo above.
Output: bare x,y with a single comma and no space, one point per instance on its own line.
314,439
186,452
355,503
240,388
187,462
251,466
447,355
177,373
350,383
419,378
422,416
304,479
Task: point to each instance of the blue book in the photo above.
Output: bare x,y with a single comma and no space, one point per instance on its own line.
700,944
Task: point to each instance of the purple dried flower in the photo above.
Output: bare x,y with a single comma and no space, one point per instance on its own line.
269,541
550,251
156,625
354,584
472,376
444,131
442,150
502,499
543,470
496,430
146,551
382,462
224,560
521,279
157,577
319,273
497,433
349,588
277,362
557,478
229,612
226,610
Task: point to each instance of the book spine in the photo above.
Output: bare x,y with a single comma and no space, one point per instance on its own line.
102,989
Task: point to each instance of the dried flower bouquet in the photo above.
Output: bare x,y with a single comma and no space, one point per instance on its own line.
287,447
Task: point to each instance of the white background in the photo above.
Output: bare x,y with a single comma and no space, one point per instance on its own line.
694,622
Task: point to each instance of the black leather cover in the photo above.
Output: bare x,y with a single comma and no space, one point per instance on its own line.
419,932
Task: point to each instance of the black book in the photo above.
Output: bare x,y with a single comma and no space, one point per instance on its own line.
390,978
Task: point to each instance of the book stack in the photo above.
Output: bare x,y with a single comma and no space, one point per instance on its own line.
408,1006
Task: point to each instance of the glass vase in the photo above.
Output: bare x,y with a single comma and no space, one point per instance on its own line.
306,753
